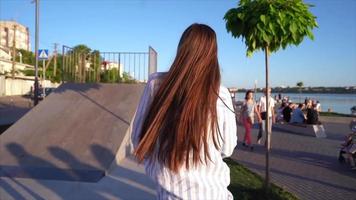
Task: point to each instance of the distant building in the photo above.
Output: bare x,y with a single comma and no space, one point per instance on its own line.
5,53
12,32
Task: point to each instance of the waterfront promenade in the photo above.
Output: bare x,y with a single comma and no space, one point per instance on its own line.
303,165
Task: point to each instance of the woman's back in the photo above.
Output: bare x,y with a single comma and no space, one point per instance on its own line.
196,182
185,123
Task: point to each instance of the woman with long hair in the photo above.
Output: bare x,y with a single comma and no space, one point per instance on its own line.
249,109
185,123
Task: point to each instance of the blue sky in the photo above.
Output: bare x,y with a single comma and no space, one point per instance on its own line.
116,25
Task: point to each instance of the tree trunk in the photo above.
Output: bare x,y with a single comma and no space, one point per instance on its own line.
267,124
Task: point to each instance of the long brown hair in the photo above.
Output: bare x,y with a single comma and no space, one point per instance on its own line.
183,113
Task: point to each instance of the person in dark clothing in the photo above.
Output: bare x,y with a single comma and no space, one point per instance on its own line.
312,115
287,112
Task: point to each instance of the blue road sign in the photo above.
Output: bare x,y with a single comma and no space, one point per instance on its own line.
43,54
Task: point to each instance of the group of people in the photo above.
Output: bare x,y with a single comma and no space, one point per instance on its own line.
250,109
288,112
299,113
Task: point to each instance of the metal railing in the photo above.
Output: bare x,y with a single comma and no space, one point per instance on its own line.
110,67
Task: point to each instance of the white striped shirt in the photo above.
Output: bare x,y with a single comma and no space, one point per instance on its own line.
204,181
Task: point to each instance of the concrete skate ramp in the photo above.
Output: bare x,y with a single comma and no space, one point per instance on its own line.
74,134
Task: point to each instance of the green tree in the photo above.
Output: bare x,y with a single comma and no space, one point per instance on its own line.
78,56
81,48
126,78
28,57
269,25
95,65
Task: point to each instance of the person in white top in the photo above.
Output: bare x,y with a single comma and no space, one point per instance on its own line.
271,113
185,123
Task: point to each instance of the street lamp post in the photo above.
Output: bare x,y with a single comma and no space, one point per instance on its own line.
36,53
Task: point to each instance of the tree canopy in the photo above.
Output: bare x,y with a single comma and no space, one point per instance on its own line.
300,84
82,48
270,23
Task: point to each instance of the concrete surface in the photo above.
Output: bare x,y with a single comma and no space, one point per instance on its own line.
74,134
126,181
123,177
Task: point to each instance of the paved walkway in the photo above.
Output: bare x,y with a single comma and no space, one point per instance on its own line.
13,108
304,165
